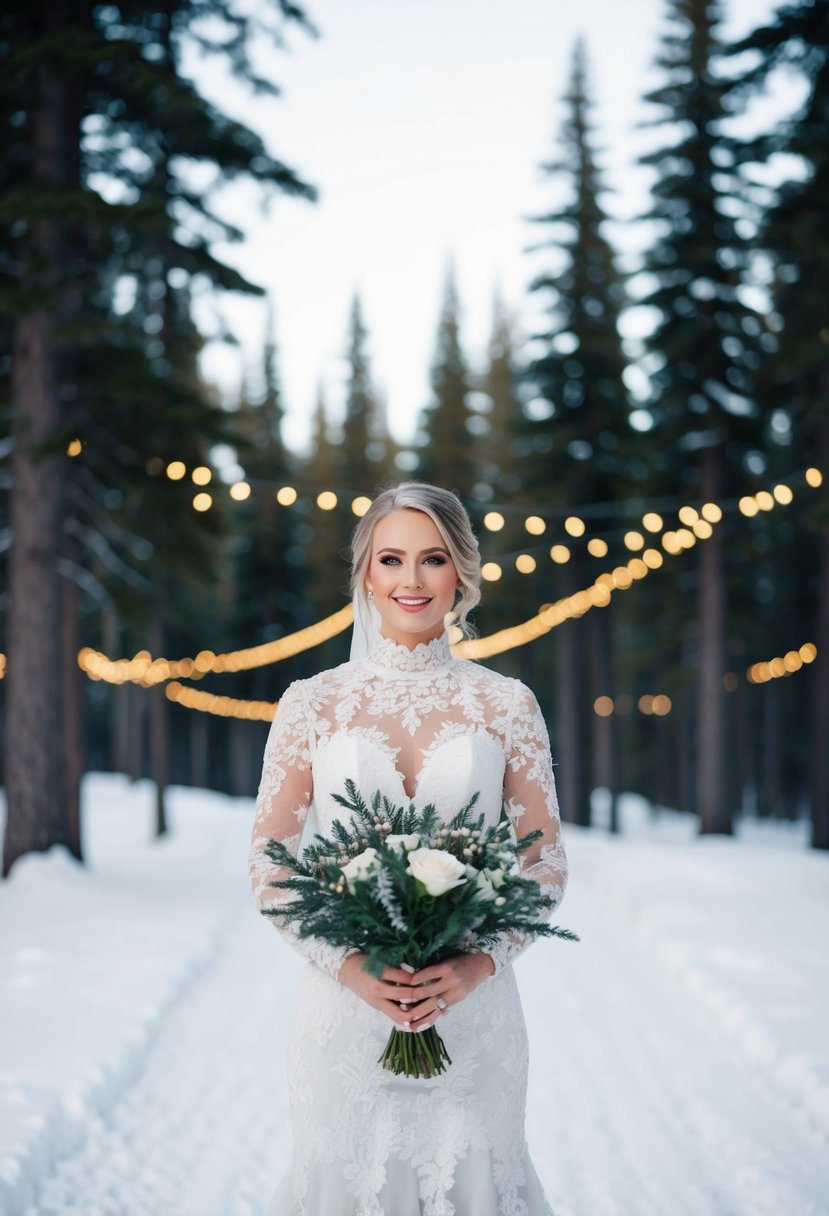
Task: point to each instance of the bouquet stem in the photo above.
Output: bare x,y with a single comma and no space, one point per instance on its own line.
418,1053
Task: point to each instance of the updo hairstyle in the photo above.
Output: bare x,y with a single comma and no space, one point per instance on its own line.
449,516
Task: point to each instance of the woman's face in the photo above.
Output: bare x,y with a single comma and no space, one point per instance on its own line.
413,578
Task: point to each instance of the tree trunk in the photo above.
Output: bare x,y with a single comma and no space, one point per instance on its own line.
199,754
73,707
820,736
159,738
570,714
712,794
606,749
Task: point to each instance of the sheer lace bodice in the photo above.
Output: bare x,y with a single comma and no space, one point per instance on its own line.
418,725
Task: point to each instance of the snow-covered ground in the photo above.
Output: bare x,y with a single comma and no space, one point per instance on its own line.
680,1051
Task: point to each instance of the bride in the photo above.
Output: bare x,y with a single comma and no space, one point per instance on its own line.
410,720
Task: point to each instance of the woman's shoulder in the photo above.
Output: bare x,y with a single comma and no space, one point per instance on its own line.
330,679
495,682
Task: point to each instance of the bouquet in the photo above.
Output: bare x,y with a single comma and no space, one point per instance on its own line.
407,889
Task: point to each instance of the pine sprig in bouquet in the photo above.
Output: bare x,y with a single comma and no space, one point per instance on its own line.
408,889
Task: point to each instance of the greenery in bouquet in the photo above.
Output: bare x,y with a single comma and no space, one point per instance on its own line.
407,888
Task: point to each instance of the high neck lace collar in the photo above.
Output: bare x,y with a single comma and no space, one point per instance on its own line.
426,656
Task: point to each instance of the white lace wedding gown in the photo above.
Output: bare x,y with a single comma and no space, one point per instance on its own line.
416,725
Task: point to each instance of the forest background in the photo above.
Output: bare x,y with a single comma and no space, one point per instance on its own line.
652,513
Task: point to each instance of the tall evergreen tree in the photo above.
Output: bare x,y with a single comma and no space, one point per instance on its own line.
702,348
364,439
447,453
89,99
793,232
577,438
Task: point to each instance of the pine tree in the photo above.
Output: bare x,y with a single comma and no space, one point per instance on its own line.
577,440
793,232
361,466
446,456
702,349
65,249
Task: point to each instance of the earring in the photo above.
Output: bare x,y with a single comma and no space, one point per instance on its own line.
370,594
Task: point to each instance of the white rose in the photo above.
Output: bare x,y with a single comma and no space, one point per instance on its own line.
404,841
438,870
362,866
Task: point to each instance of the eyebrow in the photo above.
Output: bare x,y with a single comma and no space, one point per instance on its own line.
402,552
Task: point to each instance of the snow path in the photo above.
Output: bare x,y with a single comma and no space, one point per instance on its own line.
641,1102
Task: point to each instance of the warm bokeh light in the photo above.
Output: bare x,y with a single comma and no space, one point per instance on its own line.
685,538
670,543
560,554
493,521
525,563
286,496
711,513
491,571
652,558
634,540
203,502
74,447
201,475
703,529
574,526
764,500
597,547
808,652
327,500
688,516
783,495
622,577
661,705
535,525
240,490
603,706
176,470
748,506
646,704
360,505
652,522
637,568
814,478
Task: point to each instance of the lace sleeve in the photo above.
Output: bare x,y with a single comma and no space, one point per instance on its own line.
531,804
282,806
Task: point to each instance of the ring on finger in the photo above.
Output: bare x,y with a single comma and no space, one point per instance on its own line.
441,1003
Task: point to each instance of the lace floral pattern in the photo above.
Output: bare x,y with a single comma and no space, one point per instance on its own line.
417,725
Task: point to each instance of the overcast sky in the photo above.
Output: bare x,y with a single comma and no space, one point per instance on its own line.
422,124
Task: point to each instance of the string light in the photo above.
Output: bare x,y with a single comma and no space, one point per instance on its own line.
783,494
814,478
652,522
201,475
143,669
202,502
286,496
2,666
634,540
224,707
240,490
360,505
494,521
560,554
711,513
491,571
176,469
574,526
597,547
782,665
327,500
535,525
74,447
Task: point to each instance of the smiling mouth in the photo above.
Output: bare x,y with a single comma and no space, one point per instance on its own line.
412,601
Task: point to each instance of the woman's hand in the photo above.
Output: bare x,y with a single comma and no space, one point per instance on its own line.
385,994
438,987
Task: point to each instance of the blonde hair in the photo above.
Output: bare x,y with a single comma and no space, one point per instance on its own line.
449,516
